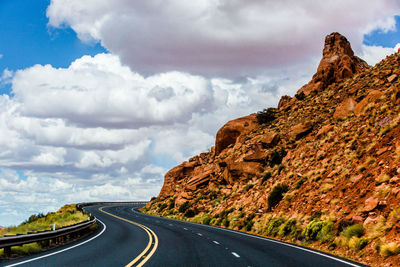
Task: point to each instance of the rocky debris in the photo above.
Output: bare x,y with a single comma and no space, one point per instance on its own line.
300,130
345,109
338,62
233,130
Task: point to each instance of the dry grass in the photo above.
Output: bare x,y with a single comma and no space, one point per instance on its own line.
389,249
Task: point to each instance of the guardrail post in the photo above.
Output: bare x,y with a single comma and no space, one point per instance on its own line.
7,252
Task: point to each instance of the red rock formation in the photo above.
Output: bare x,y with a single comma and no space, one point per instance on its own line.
338,62
233,130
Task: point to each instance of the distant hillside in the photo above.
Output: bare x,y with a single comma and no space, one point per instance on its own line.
322,169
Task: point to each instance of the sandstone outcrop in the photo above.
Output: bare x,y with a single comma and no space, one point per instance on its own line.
338,62
329,157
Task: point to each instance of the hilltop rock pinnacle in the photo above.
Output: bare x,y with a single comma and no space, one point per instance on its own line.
338,62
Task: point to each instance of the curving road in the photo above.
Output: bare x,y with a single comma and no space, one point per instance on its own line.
127,237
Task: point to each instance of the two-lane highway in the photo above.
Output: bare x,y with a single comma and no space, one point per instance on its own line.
128,237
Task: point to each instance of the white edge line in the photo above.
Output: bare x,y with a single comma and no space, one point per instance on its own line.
60,251
263,238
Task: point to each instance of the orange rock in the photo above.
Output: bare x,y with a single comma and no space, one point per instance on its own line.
345,109
300,130
370,98
370,204
392,77
270,140
338,62
324,130
232,130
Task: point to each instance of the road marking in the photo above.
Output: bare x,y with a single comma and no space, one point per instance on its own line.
184,228
216,242
60,251
199,234
265,239
235,254
149,232
170,224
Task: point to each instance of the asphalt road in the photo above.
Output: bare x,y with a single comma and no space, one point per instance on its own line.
135,239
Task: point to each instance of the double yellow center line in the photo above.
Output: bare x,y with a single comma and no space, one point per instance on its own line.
144,256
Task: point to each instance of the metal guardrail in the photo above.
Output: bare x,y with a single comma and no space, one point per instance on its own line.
7,242
17,240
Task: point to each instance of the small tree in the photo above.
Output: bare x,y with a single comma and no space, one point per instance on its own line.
266,115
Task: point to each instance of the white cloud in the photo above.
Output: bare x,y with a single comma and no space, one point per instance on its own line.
374,54
108,127
233,38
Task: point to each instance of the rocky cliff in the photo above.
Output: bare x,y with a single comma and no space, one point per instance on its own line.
322,169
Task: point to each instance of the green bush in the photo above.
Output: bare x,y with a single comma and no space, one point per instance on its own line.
275,156
206,220
273,226
312,229
266,115
162,206
327,233
353,230
289,228
300,96
184,207
171,204
212,195
189,213
277,195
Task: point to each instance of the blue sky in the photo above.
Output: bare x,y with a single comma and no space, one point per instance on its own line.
109,126
26,40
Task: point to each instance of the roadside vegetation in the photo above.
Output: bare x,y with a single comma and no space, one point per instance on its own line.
65,216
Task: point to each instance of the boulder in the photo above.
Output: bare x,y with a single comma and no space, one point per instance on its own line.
345,109
232,131
370,204
300,130
270,140
370,98
257,156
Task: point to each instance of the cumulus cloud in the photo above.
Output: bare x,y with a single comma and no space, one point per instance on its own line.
374,54
108,127
231,38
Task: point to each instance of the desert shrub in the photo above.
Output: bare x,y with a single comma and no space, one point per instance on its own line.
171,204
353,230
389,249
184,207
225,222
276,156
356,243
289,228
162,206
266,176
277,195
300,96
266,115
224,213
273,226
212,195
312,229
189,213
155,199
206,220
327,233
